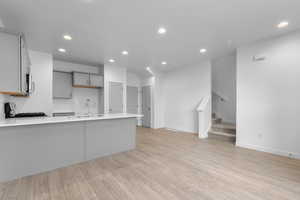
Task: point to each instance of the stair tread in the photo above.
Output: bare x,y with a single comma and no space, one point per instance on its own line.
222,133
224,126
216,120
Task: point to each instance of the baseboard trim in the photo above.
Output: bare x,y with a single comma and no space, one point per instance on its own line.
269,150
180,131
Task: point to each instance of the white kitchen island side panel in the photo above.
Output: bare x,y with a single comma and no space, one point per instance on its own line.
108,137
32,149
27,150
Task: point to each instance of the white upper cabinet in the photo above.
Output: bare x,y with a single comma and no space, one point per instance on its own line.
81,79
10,71
96,80
14,63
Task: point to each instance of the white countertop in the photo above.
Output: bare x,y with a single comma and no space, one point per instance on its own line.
52,120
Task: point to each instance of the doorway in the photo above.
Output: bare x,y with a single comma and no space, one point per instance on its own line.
132,99
115,97
146,106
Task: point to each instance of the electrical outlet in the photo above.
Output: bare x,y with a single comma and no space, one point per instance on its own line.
291,155
260,135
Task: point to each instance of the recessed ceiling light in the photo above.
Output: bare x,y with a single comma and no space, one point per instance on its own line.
125,52
164,63
111,60
283,24
203,51
62,50
149,70
67,37
162,31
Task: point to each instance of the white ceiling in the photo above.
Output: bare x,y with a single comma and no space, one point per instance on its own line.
101,29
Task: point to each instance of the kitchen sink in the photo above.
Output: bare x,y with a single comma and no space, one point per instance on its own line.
87,116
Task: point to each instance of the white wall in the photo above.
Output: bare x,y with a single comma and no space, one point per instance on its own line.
133,79
70,67
136,81
224,84
78,103
182,91
114,74
268,95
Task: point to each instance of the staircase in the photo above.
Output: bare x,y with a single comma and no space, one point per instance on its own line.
221,130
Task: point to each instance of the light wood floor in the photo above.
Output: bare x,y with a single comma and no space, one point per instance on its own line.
167,166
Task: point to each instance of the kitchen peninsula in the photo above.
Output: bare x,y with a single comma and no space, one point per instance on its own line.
35,145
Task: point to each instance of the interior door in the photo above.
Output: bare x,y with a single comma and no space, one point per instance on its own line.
132,99
115,97
146,105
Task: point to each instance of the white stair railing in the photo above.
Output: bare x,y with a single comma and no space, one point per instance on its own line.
204,117
219,96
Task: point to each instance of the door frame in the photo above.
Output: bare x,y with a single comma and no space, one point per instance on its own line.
138,98
151,103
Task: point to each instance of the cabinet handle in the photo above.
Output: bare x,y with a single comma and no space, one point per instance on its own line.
32,87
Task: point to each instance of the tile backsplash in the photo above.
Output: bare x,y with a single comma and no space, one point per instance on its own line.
84,101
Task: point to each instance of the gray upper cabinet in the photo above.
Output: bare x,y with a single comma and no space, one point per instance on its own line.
87,80
81,79
14,63
96,80
62,85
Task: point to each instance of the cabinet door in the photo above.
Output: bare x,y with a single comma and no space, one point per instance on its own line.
62,85
96,80
81,79
9,63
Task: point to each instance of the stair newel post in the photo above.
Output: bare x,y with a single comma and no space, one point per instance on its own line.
204,117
